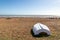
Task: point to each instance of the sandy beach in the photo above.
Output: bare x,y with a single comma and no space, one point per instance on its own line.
17,28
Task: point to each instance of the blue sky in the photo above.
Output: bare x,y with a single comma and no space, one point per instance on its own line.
29,7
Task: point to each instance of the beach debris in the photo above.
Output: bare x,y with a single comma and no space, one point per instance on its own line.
41,28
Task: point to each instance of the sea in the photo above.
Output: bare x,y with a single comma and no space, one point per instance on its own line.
36,16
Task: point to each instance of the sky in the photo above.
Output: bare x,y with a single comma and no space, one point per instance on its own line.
30,7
